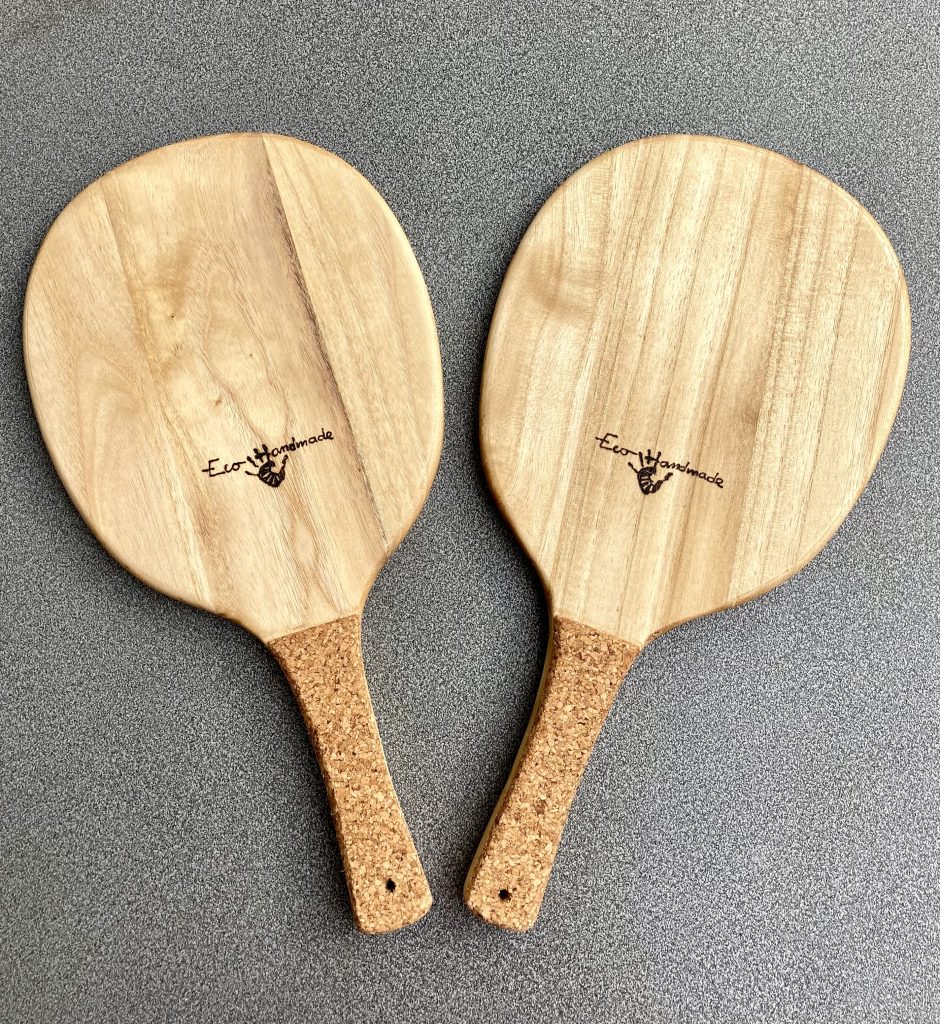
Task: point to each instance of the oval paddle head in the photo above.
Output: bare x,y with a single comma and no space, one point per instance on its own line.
234,364
693,366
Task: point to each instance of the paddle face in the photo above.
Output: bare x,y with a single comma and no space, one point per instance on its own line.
694,364
234,364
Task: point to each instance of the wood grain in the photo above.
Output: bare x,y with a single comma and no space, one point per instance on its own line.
234,365
693,367
213,297
715,303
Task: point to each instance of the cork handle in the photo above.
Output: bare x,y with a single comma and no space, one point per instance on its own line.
387,887
509,874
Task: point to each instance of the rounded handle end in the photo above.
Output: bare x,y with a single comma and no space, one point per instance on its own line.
385,904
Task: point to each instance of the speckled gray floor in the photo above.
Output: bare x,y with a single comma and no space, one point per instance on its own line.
758,835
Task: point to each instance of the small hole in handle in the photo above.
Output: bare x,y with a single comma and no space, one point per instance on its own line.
504,894
390,885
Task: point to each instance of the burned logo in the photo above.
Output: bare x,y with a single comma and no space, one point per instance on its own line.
650,466
269,465
267,473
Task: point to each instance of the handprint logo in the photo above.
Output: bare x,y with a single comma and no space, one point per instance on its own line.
649,465
267,474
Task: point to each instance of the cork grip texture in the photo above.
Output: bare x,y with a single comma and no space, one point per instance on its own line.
387,887
510,871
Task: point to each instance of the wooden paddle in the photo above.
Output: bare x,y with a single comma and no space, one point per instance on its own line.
235,368
693,367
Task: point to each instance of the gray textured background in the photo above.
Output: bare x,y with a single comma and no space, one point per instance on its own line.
758,835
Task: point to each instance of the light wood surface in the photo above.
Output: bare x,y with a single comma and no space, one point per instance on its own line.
234,365
693,366
212,297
